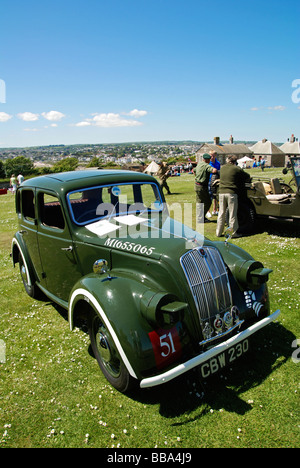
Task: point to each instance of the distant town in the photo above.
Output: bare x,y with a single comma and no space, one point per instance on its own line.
137,155
123,154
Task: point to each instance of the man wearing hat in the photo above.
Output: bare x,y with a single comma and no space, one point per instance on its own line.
202,174
163,173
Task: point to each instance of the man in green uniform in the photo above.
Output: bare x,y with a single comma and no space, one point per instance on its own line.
203,200
232,184
163,173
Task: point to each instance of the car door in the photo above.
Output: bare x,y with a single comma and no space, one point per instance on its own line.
25,204
58,257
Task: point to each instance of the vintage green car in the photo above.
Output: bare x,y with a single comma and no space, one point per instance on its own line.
159,298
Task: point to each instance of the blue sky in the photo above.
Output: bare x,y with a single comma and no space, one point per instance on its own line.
109,71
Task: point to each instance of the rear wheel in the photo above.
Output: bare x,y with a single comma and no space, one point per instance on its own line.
105,352
29,282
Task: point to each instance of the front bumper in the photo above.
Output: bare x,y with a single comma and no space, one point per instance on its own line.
203,357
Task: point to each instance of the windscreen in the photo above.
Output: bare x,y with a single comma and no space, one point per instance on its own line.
296,169
91,204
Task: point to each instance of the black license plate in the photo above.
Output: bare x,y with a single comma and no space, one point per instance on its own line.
229,356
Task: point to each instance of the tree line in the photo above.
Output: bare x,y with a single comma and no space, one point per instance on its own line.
24,166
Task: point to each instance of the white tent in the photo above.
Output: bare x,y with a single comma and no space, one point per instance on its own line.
245,161
152,168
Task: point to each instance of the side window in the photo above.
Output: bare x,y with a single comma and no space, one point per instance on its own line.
150,196
50,211
27,204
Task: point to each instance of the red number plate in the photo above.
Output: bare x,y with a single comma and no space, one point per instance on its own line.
166,346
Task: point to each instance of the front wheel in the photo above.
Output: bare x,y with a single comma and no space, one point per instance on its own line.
246,218
107,356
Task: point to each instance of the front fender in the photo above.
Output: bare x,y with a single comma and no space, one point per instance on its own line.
248,273
117,301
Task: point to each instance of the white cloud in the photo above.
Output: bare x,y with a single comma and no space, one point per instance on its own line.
110,120
270,108
82,124
137,113
31,130
276,108
53,115
28,116
4,117
113,120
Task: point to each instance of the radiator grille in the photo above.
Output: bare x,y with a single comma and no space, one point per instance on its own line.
208,280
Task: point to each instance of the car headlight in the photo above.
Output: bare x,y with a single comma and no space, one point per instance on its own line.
250,273
161,309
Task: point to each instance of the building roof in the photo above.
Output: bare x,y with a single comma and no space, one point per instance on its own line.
221,149
266,147
290,147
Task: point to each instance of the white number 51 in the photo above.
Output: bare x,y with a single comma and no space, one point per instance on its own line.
169,345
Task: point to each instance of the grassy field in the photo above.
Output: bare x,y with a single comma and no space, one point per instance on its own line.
53,395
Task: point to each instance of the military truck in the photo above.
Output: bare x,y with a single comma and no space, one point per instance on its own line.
270,197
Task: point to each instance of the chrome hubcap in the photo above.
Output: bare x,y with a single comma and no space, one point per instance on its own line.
24,274
103,347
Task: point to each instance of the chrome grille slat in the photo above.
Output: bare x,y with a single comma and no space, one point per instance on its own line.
208,280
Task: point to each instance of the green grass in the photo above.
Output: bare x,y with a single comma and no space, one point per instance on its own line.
52,393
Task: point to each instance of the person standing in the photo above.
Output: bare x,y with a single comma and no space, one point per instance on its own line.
213,177
163,173
232,182
20,179
13,183
202,174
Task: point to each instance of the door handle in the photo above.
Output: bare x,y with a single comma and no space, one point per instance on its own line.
68,249
23,232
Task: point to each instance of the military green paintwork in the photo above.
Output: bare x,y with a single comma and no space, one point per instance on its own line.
281,200
144,295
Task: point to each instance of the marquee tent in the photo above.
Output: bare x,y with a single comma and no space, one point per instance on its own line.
152,168
245,161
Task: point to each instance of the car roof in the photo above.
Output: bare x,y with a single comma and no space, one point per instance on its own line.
66,181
